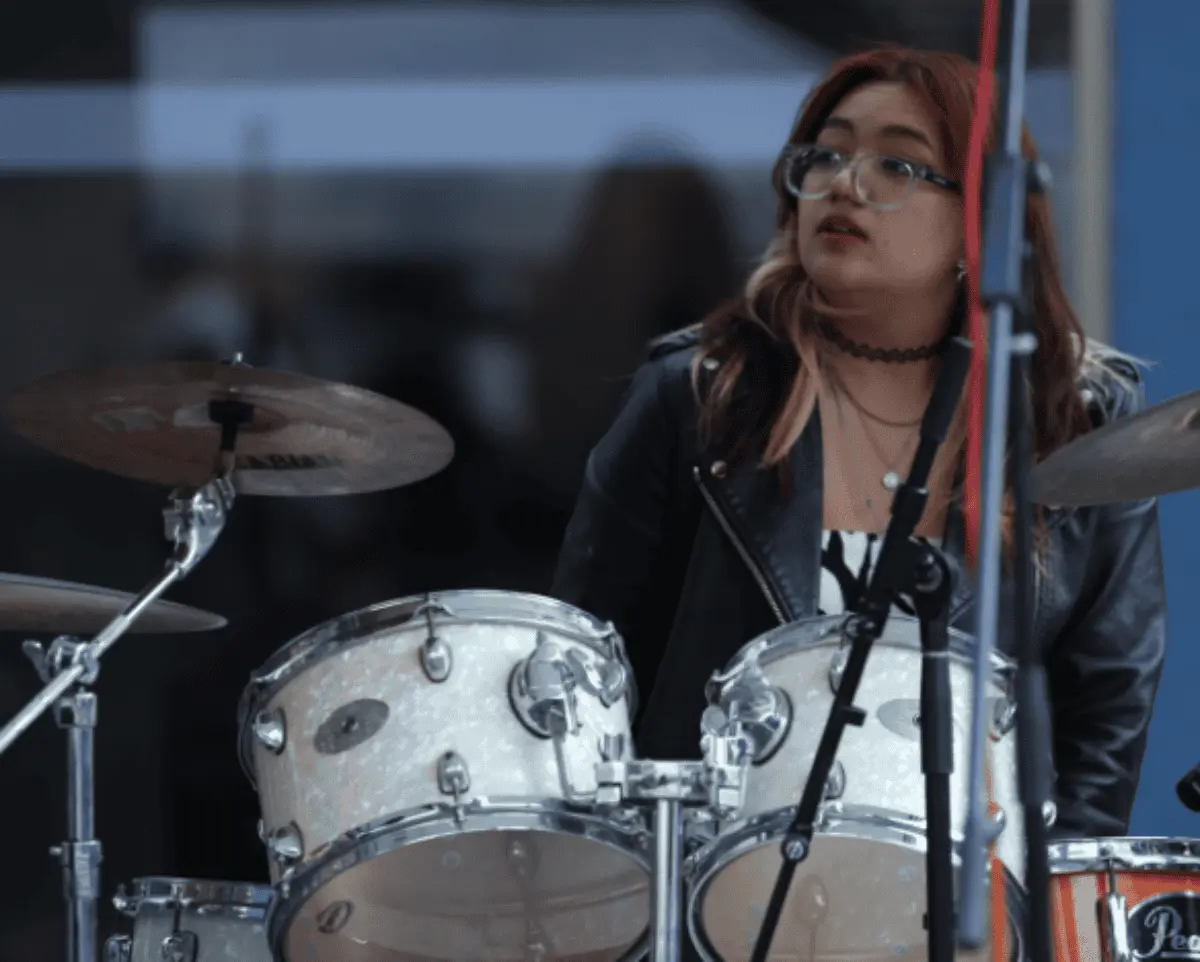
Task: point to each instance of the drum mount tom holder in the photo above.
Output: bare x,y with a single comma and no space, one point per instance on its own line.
68,668
715,784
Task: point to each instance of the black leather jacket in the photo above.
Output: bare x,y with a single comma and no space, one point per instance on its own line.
691,559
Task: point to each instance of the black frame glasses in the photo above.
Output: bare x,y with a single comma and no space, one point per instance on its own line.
797,158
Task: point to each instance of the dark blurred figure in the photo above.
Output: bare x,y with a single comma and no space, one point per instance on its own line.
653,252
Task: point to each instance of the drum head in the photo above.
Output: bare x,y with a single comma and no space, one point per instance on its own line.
851,900
495,896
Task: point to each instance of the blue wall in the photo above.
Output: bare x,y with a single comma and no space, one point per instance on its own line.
1156,286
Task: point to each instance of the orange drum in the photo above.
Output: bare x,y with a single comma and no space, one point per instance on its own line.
1126,900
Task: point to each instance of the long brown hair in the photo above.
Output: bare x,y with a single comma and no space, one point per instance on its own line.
775,318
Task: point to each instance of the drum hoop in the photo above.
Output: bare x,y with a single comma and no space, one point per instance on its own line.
428,823
471,606
1126,854
245,900
738,838
460,606
825,631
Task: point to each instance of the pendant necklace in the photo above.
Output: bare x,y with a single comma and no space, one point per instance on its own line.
891,479
865,488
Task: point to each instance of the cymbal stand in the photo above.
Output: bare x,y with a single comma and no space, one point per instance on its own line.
80,855
70,667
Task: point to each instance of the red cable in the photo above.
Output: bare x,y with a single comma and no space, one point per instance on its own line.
976,385
973,230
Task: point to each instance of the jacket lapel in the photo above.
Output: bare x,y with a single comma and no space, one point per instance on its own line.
782,534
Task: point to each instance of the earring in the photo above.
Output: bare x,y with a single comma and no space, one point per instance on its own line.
962,270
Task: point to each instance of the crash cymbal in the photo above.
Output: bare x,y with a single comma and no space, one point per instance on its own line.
152,422
1151,453
63,608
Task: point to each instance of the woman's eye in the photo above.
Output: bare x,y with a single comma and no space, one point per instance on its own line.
894,165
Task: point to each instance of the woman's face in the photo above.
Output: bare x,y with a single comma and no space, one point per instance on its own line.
913,249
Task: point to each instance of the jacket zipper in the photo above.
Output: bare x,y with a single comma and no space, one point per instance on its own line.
740,546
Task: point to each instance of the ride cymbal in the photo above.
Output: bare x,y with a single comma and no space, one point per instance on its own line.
64,608
1151,453
304,437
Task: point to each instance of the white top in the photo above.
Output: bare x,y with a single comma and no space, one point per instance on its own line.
847,560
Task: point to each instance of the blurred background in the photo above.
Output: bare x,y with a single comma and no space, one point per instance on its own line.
483,209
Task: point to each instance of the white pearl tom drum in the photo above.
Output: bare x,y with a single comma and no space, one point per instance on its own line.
426,770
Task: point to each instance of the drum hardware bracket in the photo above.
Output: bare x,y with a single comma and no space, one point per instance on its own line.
896,573
543,691
669,786
762,710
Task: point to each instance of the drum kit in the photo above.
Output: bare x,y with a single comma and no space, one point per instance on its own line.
452,777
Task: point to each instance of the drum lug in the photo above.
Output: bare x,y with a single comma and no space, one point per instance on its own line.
1049,812
1114,920
613,747
270,728
835,784
1004,716
118,948
437,660
286,844
180,947
454,778
837,668
997,823
436,657
827,815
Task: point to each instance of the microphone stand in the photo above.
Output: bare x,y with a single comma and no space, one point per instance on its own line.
896,573
931,599
1012,342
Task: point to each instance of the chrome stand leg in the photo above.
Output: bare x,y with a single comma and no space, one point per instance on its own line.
666,907
80,854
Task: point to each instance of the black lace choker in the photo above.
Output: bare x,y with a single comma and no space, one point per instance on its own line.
888,355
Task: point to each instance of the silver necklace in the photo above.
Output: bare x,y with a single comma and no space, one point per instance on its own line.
891,479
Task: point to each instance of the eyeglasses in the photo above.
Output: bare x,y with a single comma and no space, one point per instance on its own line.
881,182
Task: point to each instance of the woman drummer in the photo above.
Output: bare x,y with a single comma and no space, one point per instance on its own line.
747,478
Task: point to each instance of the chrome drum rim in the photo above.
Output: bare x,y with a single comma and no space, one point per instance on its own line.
1128,854
628,835
858,822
